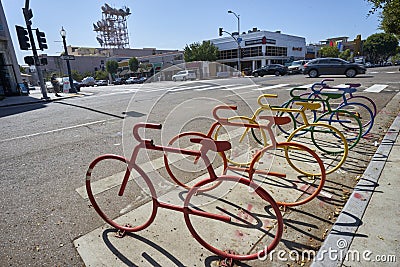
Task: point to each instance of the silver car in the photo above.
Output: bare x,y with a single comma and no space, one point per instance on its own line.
184,75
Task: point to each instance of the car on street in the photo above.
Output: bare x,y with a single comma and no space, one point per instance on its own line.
275,69
118,81
297,66
131,80
142,80
101,83
88,81
332,66
184,75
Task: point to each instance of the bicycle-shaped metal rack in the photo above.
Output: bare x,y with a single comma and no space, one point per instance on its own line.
301,159
210,198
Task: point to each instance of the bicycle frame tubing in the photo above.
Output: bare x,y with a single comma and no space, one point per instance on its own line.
268,127
301,111
148,144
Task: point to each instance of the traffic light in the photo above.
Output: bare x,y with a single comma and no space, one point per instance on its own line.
23,38
41,37
29,60
220,31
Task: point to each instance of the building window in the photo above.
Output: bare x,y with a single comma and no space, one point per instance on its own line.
275,51
227,54
252,51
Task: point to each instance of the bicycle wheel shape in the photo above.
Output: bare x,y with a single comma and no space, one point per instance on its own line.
243,140
364,100
256,223
363,113
183,169
115,203
327,141
346,122
288,186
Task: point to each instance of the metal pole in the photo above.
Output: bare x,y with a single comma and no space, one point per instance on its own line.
34,51
71,81
237,39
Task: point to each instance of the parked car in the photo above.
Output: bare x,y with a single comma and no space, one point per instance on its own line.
332,66
142,80
276,69
101,83
118,81
297,66
88,81
184,75
131,80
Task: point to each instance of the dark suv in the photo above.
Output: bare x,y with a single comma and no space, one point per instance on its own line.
275,69
332,66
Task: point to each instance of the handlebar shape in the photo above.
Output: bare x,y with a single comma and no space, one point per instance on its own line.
296,89
144,125
264,97
220,107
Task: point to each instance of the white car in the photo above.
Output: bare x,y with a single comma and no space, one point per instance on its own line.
297,66
184,75
88,81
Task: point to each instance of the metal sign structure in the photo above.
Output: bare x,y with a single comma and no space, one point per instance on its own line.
112,30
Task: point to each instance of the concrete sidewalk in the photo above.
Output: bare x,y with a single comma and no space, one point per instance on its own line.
366,232
35,96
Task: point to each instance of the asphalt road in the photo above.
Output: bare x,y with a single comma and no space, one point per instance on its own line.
46,149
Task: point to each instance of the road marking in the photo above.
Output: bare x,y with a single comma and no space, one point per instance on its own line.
376,88
214,87
178,89
271,87
241,87
52,131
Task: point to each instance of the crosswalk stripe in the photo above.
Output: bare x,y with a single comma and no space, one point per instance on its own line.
271,87
241,87
376,88
222,87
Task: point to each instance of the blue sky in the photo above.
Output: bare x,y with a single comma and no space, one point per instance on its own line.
173,24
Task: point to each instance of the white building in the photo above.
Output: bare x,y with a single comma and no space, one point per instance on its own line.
259,48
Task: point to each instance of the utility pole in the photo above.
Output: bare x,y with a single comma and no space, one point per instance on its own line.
28,16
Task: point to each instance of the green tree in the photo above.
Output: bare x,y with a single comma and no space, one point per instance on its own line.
133,64
22,69
346,54
76,75
101,75
329,51
390,14
205,51
112,66
380,46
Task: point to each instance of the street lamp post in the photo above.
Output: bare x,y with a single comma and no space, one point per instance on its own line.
63,34
238,38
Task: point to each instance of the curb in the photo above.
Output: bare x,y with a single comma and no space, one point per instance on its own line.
346,226
41,100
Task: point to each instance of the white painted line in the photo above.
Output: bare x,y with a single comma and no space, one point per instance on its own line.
217,87
241,87
177,89
376,88
271,87
52,131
